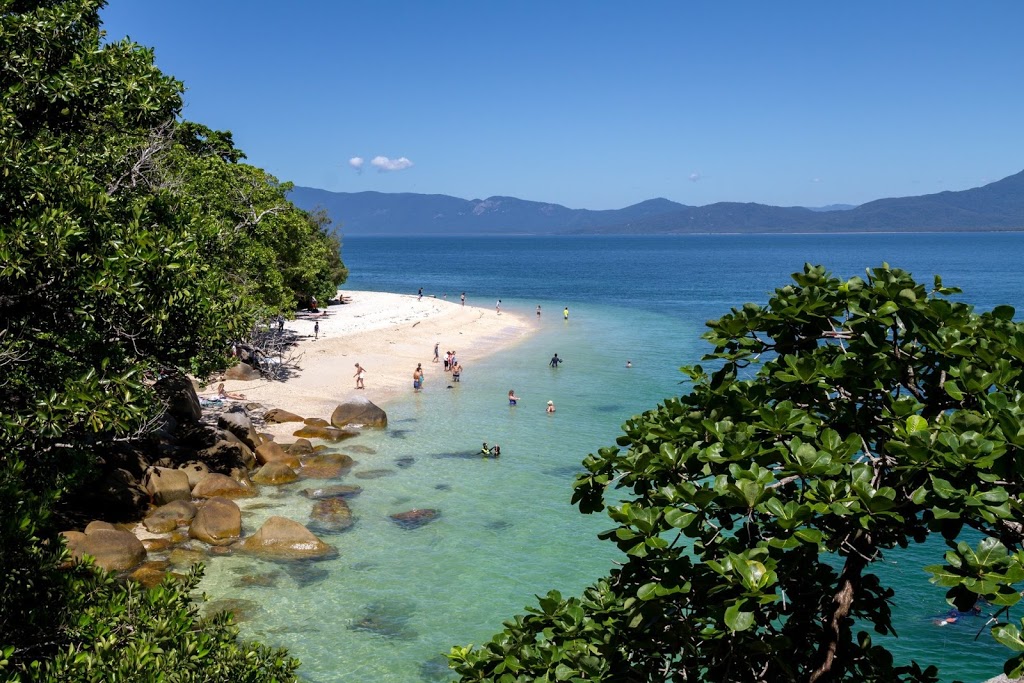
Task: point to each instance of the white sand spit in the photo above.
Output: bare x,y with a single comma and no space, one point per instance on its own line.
388,334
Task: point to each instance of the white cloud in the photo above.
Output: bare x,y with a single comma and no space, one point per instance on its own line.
695,176
815,180
356,163
385,164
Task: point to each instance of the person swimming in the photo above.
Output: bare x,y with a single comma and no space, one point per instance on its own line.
490,451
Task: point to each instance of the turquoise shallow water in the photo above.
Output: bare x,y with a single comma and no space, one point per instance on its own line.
395,599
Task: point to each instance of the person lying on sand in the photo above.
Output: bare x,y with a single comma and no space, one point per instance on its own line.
228,394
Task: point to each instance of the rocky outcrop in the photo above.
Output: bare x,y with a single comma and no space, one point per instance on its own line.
243,372
114,549
277,415
359,411
300,447
273,452
195,471
178,394
325,433
170,516
316,422
216,485
275,474
238,423
281,538
218,522
226,455
166,485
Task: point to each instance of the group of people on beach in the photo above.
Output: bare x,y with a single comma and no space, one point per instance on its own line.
451,363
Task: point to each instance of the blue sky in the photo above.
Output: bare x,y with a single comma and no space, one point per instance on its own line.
604,104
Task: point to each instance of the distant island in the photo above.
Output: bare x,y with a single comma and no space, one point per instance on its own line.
998,206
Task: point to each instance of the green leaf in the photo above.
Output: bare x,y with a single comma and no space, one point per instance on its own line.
916,423
736,619
953,390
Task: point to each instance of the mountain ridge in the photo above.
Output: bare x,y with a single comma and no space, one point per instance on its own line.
995,206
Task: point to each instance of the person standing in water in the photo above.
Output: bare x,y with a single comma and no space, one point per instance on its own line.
512,398
551,406
566,313
417,378
555,360
538,310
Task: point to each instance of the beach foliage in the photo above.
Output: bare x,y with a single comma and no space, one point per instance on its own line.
115,270
831,427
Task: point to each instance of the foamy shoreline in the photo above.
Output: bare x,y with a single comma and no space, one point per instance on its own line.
388,334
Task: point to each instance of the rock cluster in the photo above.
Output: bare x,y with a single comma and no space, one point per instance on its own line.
183,483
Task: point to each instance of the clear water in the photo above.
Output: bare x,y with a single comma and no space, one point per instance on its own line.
395,599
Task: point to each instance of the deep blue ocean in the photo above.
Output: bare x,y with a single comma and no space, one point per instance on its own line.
395,599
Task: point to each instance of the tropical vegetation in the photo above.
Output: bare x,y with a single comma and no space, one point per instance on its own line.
133,245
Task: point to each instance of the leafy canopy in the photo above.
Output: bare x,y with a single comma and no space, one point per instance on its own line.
131,245
842,420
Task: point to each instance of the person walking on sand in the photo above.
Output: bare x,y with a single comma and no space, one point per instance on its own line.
566,313
463,298
512,398
497,307
360,373
420,295
551,406
437,353
316,330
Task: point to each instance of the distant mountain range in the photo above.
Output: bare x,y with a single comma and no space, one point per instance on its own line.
996,206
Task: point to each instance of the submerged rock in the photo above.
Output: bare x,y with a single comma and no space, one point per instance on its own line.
336,491
331,515
374,474
282,538
326,465
243,609
360,448
388,619
413,519
405,461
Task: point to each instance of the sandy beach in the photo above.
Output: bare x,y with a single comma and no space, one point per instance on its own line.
387,334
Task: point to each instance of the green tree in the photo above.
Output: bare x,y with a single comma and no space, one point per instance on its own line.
273,254
103,286
841,421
